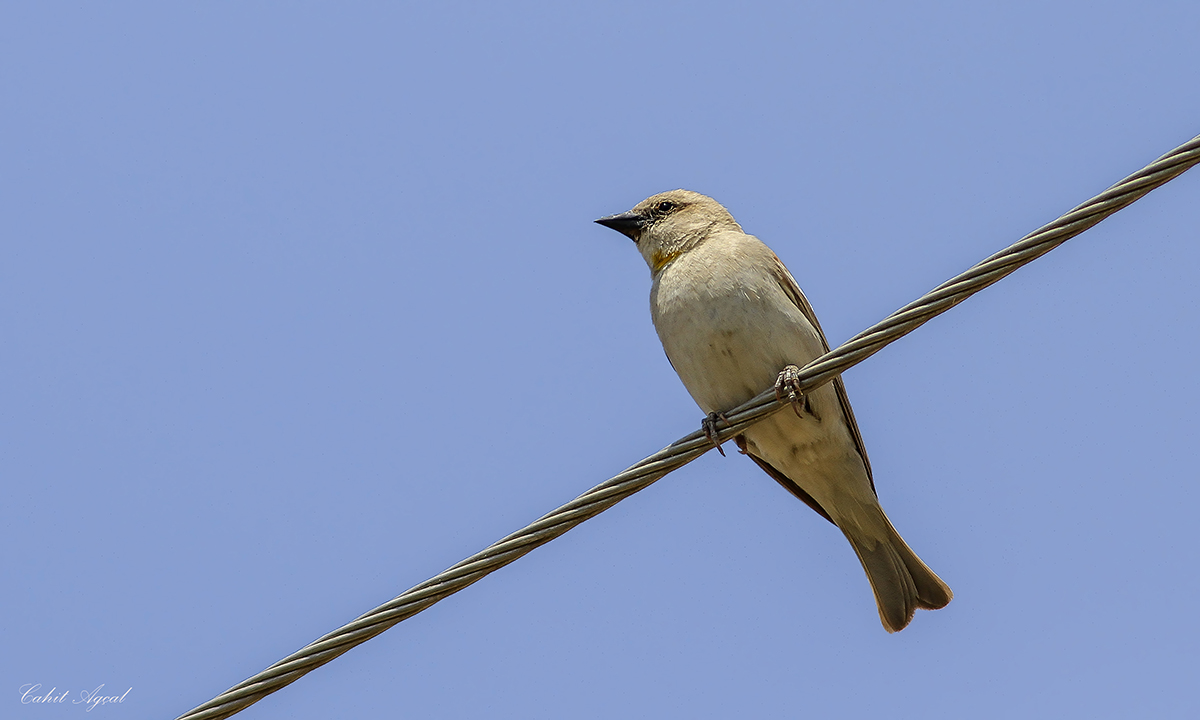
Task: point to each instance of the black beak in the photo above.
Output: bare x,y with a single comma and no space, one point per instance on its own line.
627,223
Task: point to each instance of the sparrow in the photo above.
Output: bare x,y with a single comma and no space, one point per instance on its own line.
732,321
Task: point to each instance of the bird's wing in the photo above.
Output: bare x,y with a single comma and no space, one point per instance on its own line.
792,290
788,484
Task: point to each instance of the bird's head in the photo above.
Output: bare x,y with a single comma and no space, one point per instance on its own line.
666,225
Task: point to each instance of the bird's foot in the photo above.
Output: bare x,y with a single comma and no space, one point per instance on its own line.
709,425
787,388
740,441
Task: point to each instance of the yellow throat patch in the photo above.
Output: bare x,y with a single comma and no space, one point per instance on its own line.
659,259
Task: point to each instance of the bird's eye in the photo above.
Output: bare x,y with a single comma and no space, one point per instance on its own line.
666,206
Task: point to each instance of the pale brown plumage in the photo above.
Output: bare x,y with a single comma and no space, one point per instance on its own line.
731,317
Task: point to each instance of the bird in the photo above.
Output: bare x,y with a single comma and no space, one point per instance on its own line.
732,321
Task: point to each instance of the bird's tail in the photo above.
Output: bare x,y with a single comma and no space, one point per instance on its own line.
902,583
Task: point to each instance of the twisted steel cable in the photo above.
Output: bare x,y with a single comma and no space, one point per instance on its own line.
683,451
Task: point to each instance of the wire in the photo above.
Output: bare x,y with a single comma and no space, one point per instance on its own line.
683,451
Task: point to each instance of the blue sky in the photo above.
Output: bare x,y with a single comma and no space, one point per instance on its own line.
302,303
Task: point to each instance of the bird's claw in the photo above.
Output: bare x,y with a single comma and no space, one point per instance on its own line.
787,388
709,425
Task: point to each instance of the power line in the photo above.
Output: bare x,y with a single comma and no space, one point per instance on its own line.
683,451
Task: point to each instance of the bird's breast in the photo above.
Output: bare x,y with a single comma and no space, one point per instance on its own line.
727,330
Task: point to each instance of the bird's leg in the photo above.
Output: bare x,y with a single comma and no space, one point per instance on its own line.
740,441
787,388
709,425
